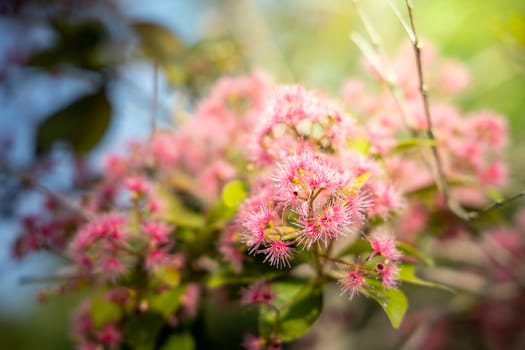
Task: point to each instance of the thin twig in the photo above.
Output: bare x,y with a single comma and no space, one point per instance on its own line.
495,205
63,201
53,278
375,39
154,101
412,34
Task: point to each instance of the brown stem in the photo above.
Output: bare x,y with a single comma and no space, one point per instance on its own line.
495,205
442,183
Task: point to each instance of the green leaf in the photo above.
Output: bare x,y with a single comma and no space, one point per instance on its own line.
181,341
167,302
77,43
164,47
517,28
299,302
360,246
82,124
361,145
495,195
392,300
141,331
234,193
219,216
104,311
167,275
407,273
407,249
412,143
431,189
176,213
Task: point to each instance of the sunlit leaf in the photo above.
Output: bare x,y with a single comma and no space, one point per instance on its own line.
167,302
361,145
104,311
407,273
411,144
392,300
234,193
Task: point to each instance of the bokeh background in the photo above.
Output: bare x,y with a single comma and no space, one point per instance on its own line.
83,73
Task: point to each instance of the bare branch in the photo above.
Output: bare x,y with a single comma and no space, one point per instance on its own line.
63,201
412,34
154,101
495,205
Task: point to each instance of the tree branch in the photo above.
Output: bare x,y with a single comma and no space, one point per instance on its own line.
423,89
63,201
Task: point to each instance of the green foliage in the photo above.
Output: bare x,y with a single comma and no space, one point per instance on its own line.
78,43
167,302
164,47
299,303
360,246
234,193
360,144
180,341
176,212
410,250
141,331
81,124
407,273
104,311
410,144
392,300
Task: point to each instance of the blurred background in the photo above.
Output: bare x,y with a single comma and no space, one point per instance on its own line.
79,77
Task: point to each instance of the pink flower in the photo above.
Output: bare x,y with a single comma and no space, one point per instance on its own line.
328,222
278,253
116,167
255,222
252,342
258,292
489,127
301,176
351,283
166,148
158,231
413,221
190,299
137,184
354,92
157,257
228,246
389,274
494,174
385,199
110,335
357,205
112,266
384,244
454,78
109,228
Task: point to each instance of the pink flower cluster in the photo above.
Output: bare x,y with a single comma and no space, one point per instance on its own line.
314,188
318,179
381,264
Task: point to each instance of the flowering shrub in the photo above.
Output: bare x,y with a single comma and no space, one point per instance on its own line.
270,194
